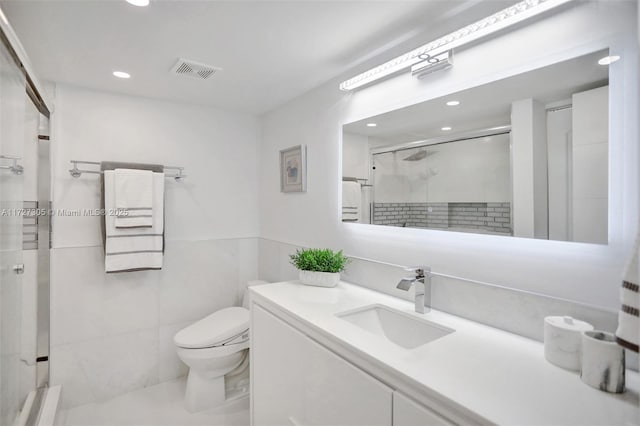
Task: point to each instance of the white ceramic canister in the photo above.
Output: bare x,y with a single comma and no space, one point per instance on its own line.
603,364
563,341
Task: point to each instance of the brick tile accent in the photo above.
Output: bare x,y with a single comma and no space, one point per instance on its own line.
492,217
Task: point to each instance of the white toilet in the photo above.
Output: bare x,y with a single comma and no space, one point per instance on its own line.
214,347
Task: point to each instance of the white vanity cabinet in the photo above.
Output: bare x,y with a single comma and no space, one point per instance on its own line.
298,382
295,381
407,412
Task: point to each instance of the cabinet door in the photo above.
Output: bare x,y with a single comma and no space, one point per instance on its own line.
295,381
406,412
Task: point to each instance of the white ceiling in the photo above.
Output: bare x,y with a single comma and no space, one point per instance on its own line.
270,51
484,106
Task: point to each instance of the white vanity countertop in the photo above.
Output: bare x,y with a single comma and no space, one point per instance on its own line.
500,377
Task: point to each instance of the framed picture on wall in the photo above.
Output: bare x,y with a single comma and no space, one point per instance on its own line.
293,169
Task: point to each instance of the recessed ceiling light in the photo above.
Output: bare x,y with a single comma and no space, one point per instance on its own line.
608,60
446,128
140,3
453,103
121,74
371,124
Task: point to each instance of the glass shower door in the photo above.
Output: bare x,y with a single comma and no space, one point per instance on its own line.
400,182
12,117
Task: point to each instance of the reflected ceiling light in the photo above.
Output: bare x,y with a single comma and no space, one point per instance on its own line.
608,60
496,22
446,128
453,103
140,3
371,124
121,74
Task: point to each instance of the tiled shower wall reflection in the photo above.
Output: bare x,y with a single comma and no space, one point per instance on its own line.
489,217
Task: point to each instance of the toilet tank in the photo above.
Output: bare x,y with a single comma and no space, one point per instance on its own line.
245,297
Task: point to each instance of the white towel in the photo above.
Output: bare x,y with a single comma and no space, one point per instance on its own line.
351,201
134,198
130,249
628,332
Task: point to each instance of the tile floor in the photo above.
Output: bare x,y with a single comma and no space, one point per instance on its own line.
159,405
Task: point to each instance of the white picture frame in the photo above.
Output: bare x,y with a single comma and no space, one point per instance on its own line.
293,169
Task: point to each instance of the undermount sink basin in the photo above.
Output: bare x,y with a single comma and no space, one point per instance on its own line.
395,326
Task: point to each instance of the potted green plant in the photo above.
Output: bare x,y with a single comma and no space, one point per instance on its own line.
319,267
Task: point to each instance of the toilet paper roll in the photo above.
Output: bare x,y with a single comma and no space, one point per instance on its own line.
602,361
563,341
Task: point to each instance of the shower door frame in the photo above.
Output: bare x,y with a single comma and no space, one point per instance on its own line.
38,97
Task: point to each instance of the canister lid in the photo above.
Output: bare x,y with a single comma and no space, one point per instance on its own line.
568,323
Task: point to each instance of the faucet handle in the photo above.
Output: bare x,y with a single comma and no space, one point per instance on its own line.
419,271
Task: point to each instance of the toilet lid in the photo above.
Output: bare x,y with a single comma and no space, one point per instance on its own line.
214,329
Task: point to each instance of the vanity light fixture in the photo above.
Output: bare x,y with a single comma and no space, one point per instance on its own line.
453,103
446,129
121,74
608,60
432,63
371,124
498,21
139,3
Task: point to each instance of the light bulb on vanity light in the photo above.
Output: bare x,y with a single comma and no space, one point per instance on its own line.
139,3
608,60
121,74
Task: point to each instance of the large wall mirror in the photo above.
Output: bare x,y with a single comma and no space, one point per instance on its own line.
526,156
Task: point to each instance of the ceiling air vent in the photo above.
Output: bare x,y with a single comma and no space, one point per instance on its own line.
194,69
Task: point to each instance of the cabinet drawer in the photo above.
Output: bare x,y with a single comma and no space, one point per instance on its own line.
296,381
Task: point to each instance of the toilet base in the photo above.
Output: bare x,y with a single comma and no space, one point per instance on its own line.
203,393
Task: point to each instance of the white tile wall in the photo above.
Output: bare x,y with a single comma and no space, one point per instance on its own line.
66,370
274,262
119,363
202,276
86,303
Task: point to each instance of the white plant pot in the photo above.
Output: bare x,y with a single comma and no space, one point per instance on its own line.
320,279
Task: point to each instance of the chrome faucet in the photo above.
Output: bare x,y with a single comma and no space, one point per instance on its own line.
422,282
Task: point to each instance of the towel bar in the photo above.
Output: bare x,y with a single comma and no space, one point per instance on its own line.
178,175
364,184
15,168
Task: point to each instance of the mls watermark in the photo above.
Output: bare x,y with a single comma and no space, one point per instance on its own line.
64,212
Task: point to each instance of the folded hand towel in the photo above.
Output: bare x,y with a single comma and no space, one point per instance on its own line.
112,165
351,201
628,332
131,249
133,198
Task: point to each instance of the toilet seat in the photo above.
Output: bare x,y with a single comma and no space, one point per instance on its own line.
229,326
